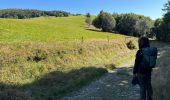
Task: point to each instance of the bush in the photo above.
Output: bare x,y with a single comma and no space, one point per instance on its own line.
110,66
130,45
39,55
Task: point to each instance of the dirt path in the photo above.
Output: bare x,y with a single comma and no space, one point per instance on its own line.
117,84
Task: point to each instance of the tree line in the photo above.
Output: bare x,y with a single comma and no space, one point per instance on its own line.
136,25
30,13
127,24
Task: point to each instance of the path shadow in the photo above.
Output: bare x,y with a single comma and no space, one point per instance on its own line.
51,86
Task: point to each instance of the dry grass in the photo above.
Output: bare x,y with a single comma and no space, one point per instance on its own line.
160,77
49,71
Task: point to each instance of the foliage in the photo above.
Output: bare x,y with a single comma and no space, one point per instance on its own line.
157,29
127,24
143,27
105,21
162,26
30,13
130,45
167,6
133,24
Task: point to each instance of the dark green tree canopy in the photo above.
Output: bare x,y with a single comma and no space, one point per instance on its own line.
105,21
30,13
127,24
162,26
167,6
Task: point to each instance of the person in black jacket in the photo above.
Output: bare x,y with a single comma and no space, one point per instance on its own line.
143,74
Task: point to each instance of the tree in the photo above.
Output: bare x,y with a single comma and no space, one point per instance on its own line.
167,6
143,28
126,24
132,24
157,28
108,23
88,19
105,21
162,26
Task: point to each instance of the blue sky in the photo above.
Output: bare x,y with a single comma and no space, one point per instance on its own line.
151,8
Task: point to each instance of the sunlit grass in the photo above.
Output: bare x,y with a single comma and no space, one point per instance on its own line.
48,29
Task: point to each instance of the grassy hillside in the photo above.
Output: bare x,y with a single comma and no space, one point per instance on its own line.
45,58
48,29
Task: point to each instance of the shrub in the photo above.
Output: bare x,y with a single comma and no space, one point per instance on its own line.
39,55
110,66
130,45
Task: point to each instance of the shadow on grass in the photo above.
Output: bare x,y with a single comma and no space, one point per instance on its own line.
51,86
95,30
100,30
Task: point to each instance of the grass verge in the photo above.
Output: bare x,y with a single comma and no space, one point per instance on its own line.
44,71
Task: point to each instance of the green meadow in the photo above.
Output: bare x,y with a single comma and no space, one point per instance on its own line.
46,58
48,29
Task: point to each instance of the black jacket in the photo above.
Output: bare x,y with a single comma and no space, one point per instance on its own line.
138,69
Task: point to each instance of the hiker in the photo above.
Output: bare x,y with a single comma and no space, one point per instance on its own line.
145,60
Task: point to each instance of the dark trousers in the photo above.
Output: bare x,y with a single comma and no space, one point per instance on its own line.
145,87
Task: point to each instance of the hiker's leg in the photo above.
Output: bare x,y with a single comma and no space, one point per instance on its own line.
149,88
142,85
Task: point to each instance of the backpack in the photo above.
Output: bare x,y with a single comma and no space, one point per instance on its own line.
149,57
